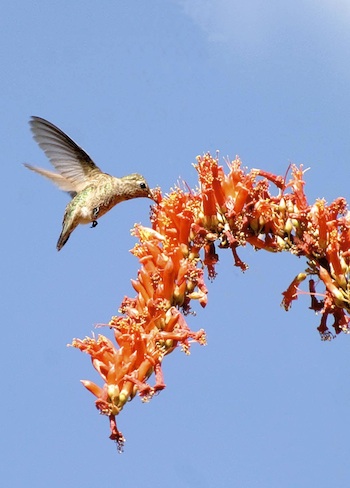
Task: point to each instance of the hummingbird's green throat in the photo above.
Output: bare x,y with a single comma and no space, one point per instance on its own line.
93,192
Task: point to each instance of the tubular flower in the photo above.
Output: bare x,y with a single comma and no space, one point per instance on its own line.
230,210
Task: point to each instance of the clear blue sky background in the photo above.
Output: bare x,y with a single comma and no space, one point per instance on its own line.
146,86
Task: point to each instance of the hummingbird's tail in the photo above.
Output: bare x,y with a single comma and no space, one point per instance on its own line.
62,239
66,232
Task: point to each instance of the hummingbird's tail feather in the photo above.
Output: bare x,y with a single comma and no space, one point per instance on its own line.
67,229
62,240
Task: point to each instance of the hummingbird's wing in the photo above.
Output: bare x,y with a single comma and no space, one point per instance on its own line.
70,160
62,182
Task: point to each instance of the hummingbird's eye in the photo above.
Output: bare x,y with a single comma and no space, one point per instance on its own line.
143,186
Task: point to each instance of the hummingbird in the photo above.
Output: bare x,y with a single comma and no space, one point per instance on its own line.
93,192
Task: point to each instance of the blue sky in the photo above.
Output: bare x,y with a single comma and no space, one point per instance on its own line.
146,87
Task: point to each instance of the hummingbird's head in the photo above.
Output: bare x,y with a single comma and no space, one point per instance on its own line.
136,187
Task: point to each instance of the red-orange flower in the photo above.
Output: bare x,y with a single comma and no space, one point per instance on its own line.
230,210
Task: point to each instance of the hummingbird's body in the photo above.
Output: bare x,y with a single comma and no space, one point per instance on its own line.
93,192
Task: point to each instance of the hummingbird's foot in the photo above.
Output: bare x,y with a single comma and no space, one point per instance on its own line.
95,213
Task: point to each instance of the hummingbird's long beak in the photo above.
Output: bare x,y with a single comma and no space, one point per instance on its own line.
151,196
155,195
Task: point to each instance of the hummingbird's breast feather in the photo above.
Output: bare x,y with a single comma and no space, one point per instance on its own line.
86,216
95,200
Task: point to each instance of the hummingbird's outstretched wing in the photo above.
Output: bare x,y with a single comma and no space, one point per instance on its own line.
74,165
62,182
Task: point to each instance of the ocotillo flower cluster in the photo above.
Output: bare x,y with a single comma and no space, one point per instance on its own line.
227,211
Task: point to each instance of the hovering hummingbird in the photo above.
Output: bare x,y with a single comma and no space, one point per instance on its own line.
93,192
